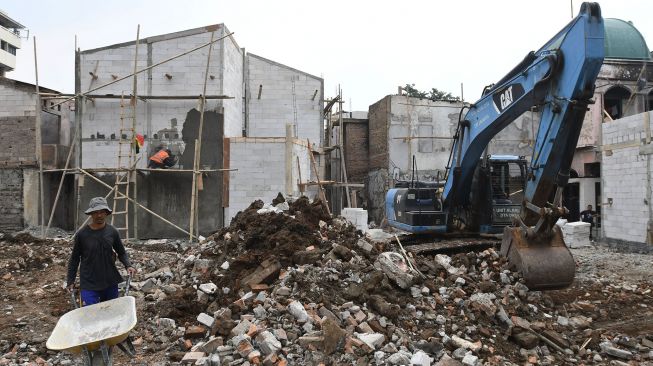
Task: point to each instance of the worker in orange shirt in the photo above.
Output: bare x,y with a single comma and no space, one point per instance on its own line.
163,159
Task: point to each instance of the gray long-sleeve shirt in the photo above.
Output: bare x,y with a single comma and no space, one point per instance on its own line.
93,254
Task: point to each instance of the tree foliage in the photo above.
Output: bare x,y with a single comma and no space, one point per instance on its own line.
433,95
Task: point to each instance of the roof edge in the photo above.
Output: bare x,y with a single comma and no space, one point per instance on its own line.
285,66
159,38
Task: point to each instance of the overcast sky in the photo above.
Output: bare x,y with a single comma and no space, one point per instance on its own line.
367,47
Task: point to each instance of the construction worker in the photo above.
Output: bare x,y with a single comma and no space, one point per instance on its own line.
162,159
93,253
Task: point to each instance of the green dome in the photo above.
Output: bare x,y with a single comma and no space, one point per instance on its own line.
623,41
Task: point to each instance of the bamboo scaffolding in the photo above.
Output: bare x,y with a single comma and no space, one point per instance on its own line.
341,147
76,140
39,142
131,175
142,97
101,170
135,203
194,217
317,177
143,70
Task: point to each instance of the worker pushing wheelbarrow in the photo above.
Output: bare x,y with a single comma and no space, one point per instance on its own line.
105,319
93,330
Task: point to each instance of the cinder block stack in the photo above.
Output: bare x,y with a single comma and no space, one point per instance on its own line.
356,216
576,234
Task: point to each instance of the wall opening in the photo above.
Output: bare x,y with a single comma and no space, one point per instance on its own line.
615,100
649,101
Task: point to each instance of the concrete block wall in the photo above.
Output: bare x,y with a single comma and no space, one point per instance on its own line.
626,179
263,178
15,102
186,77
277,107
424,118
11,200
233,86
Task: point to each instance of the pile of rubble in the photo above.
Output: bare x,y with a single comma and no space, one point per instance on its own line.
285,284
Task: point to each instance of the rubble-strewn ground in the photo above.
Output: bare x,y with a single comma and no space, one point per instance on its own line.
298,288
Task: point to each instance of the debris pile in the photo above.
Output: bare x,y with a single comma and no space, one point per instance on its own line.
285,284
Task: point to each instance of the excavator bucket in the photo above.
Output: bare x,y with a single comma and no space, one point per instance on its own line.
545,262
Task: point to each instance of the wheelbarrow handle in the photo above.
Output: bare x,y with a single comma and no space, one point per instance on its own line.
72,297
129,280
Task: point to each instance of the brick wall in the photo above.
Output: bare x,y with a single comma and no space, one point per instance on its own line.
11,199
356,151
379,120
17,138
626,178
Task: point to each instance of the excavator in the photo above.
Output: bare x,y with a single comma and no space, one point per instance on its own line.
557,80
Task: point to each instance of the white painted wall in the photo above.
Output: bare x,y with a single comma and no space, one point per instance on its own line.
626,179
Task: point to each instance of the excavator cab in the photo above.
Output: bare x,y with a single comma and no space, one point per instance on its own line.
498,192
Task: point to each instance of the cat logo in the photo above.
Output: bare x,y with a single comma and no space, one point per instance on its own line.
506,96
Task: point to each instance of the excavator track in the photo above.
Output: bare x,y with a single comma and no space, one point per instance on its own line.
423,245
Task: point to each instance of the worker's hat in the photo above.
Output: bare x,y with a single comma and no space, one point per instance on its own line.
97,204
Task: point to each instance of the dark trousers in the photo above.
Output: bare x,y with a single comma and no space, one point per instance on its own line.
90,297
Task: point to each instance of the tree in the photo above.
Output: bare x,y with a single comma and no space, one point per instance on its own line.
433,95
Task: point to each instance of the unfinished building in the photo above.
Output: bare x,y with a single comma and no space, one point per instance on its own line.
402,127
259,117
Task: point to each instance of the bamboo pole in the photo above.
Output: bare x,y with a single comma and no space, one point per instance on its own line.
63,176
299,173
136,203
198,145
193,197
343,165
145,69
39,144
317,177
131,174
140,170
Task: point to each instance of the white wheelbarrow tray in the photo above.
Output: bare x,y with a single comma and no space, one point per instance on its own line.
109,321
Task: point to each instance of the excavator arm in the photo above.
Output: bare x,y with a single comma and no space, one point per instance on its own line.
559,80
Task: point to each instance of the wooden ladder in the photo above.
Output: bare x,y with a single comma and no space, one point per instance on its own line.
126,161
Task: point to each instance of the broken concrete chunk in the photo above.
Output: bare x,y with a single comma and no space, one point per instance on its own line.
399,358
297,310
192,357
464,343
225,265
167,323
268,343
208,288
420,358
613,351
394,266
364,245
377,235
241,328
373,340
206,319
470,360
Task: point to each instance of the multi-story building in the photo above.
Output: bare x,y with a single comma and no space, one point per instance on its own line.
9,42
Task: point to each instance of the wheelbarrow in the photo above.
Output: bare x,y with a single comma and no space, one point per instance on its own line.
93,330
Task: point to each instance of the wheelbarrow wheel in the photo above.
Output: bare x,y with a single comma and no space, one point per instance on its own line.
102,356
